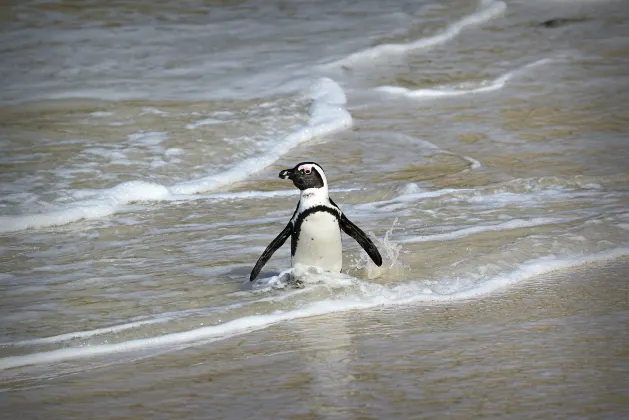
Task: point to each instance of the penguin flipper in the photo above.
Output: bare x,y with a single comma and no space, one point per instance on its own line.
362,239
268,252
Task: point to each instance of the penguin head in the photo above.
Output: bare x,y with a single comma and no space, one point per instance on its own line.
306,175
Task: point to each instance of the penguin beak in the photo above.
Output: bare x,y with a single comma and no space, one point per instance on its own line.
287,174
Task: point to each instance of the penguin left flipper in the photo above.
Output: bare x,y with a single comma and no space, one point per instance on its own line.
268,252
362,239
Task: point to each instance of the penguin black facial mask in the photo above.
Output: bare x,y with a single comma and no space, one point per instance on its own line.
305,175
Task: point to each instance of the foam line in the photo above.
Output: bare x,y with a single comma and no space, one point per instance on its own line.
369,295
112,201
248,194
541,266
122,327
206,121
474,163
510,225
105,204
496,84
327,115
412,197
488,11
85,334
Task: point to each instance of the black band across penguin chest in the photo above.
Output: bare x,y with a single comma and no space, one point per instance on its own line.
297,229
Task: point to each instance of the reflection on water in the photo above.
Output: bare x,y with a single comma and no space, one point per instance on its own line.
327,362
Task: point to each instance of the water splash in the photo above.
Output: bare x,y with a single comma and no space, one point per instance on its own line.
392,266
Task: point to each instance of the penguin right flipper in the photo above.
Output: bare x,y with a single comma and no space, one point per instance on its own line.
362,239
268,252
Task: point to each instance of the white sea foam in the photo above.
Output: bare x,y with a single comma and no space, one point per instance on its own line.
173,151
365,295
509,225
85,334
474,163
327,115
251,194
206,121
411,193
488,86
114,200
487,11
528,191
148,138
153,110
107,203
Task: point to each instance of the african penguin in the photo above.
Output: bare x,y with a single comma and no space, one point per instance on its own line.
315,228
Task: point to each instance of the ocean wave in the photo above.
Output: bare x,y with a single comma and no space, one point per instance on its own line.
360,295
487,86
508,225
487,11
510,192
84,334
327,115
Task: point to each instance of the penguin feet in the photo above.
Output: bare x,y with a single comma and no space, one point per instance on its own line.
295,282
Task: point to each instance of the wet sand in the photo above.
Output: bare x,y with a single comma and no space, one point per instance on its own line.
555,346
545,155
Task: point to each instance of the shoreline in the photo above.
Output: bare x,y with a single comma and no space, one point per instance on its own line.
553,346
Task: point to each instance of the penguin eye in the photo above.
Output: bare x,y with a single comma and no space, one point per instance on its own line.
307,171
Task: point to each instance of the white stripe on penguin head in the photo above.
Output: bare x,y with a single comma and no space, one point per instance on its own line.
314,196
309,167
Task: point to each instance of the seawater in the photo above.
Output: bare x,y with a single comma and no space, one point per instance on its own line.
141,144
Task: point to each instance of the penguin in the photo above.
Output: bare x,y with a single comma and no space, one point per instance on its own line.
315,227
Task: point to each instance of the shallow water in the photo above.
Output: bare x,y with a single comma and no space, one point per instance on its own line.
141,145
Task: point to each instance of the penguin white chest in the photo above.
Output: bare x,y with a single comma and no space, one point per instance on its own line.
319,242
